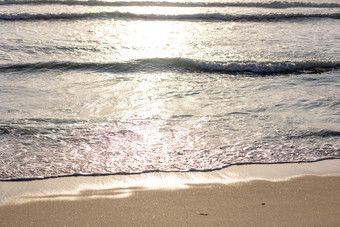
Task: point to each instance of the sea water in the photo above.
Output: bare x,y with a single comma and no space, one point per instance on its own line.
105,87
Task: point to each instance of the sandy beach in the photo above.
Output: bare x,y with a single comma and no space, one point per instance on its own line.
235,196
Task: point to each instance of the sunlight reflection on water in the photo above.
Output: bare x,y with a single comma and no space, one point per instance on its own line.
118,93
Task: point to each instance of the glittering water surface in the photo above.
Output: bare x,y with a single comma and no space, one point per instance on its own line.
108,87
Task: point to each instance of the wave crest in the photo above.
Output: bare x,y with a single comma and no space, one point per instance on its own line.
184,17
182,64
273,4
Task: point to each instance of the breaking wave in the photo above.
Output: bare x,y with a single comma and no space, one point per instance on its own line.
182,17
321,133
273,4
182,64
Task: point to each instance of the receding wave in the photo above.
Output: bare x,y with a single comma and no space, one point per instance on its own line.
182,64
273,4
182,17
35,178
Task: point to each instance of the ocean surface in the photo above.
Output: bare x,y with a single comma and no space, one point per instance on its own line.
105,87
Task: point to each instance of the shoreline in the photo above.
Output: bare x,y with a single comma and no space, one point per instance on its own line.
304,194
10,190
25,179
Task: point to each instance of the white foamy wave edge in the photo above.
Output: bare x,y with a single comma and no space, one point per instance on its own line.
273,4
193,170
268,67
161,17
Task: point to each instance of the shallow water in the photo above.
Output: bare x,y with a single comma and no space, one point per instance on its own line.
92,87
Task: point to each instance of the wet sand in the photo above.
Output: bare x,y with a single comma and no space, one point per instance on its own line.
309,200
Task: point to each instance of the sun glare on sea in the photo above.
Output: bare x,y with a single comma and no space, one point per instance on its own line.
143,98
154,40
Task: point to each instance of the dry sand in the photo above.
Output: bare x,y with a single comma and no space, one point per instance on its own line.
298,201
